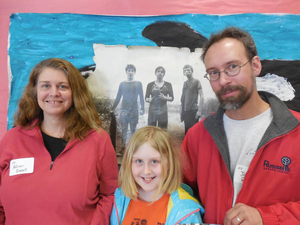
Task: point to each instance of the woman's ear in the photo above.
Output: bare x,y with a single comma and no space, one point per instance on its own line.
256,65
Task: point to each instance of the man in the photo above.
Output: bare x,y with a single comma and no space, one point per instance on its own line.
129,91
244,159
190,112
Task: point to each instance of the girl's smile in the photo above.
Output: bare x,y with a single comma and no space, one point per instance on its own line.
147,169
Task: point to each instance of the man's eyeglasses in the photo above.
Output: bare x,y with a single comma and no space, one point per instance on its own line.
231,70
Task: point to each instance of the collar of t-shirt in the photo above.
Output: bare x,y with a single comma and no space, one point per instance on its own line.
140,212
54,145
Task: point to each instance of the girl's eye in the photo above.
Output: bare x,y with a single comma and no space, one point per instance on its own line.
155,161
138,161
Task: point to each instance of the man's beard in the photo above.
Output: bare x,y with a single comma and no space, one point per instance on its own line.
233,103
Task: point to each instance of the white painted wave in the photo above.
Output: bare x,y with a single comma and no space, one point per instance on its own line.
276,85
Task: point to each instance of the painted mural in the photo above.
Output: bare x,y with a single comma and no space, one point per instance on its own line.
102,46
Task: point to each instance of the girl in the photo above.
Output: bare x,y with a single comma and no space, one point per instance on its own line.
150,178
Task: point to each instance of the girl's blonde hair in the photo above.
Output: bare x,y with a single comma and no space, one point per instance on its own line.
80,118
160,140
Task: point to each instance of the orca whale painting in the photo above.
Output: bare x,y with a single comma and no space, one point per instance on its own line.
101,46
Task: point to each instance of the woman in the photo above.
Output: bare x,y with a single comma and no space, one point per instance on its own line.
57,166
158,93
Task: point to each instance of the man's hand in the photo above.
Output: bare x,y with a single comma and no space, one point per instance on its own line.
243,214
142,112
198,115
149,100
161,96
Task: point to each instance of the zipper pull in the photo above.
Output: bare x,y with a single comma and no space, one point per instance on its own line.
51,165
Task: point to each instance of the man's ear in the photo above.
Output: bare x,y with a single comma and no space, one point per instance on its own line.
256,65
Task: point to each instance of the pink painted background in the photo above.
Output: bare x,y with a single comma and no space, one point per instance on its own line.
122,7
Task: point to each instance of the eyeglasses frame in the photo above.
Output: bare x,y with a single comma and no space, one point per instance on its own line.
219,73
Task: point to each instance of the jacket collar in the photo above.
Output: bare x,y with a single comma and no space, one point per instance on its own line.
35,132
283,122
179,202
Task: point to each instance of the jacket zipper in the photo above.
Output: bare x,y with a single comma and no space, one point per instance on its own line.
255,156
51,165
194,211
52,162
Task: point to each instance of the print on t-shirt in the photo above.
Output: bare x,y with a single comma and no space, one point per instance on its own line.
138,221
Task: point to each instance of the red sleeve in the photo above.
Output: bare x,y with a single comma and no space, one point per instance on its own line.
2,214
189,163
281,213
108,179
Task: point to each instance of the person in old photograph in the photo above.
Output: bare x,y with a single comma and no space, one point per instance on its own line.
57,165
243,161
158,93
191,92
131,93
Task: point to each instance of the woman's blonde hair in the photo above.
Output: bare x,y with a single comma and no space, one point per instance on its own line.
161,141
80,118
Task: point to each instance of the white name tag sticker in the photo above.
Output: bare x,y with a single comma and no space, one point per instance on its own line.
239,173
21,166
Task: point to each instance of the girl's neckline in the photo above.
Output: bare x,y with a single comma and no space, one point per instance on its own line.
160,197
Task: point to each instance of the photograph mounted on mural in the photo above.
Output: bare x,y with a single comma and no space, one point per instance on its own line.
101,47
138,97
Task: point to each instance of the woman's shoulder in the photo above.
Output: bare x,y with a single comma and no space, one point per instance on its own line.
18,135
10,133
13,130
17,131
100,132
99,135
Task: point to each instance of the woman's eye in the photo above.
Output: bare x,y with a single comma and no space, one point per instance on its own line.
138,161
63,87
45,86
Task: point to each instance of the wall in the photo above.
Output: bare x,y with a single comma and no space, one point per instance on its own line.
121,7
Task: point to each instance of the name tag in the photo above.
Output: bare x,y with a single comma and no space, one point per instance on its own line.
239,173
21,166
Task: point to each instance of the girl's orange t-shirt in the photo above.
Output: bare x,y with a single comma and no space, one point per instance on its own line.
145,213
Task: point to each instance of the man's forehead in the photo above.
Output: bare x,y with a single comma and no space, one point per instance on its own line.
227,44
226,50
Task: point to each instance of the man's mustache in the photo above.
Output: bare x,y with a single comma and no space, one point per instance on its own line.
227,89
